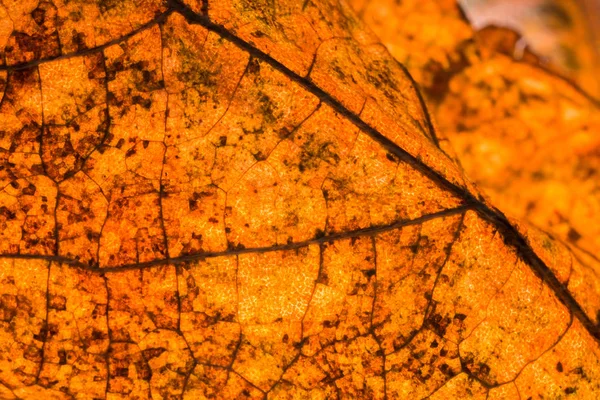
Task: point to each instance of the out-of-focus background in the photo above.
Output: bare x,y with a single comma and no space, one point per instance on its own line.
565,33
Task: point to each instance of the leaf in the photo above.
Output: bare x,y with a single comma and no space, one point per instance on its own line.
506,120
516,148
426,36
246,200
562,31
532,146
431,37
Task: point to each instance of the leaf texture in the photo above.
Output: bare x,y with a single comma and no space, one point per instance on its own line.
240,199
528,139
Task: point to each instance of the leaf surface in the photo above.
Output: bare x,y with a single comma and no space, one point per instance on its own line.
248,200
525,135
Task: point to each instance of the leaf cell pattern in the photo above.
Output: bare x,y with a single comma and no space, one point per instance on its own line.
214,203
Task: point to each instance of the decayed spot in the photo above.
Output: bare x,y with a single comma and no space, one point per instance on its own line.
148,354
33,31
24,328
28,194
229,222
410,264
75,349
75,115
427,362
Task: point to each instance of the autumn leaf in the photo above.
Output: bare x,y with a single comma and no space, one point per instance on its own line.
533,148
431,38
563,32
247,199
508,121
533,145
426,36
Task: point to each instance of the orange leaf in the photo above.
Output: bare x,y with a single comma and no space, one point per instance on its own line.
242,199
